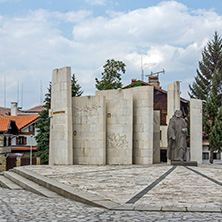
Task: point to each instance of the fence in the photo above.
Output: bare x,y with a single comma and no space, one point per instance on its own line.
13,161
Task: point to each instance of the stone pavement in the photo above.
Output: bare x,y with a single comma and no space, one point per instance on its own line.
146,187
25,206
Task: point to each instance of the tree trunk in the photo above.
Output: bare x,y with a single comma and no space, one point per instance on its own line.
211,156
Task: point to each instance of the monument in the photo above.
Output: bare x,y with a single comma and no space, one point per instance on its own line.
177,145
114,126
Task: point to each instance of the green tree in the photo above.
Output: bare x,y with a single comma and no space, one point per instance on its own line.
212,115
76,88
211,60
207,86
43,126
111,76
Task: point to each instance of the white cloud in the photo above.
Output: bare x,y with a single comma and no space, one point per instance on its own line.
168,36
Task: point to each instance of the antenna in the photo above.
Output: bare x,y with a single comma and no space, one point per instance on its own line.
5,91
156,73
40,92
142,71
22,96
18,93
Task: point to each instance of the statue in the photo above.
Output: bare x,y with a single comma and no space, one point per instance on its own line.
176,136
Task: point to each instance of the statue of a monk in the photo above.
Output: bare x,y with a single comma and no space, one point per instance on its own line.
176,136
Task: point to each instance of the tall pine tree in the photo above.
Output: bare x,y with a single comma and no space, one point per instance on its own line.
212,115
211,60
76,88
207,86
43,126
111,76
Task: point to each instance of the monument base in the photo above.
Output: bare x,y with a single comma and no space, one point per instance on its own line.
183,163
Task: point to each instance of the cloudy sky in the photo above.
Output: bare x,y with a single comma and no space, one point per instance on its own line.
37,36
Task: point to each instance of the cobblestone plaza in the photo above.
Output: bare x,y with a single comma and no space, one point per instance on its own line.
160,188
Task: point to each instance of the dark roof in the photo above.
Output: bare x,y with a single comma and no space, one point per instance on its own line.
134,81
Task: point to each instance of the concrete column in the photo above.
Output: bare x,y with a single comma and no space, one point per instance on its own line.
173,99
143,124
196,130
61,141
156,136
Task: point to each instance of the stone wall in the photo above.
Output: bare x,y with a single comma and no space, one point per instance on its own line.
119,125
196,142
156,136
89,130
143,125
61,146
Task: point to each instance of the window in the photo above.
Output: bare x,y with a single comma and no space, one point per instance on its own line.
216,156
21,140
205,156
31,128
160,134
5,141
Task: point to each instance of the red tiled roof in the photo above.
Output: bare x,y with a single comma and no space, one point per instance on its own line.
36,109
22,121
24,148
4,122
4,111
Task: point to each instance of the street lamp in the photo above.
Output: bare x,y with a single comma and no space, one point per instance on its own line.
31,150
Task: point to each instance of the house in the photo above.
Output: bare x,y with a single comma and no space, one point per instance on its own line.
23,140
8,131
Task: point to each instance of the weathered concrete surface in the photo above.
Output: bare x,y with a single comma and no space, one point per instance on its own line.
61,143
196,142
156,136
119,125
173,99
143,125
89,130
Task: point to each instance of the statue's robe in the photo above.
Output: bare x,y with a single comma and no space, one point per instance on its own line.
176,149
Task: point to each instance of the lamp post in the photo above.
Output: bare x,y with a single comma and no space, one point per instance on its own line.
31,150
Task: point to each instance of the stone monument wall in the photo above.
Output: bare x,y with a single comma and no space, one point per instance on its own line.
143,125
119,125
60,151
89,130
156,136
196,142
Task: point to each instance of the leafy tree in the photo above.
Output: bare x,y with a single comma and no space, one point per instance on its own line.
207,86
111,76
43,126
76,88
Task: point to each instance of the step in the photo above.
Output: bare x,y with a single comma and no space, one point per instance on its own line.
65,190
29,185
6,183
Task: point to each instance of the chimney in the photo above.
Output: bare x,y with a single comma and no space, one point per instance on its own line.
154,81
13,108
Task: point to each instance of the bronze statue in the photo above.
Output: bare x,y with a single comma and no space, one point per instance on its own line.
176,136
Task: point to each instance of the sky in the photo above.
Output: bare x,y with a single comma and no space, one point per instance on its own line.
37,36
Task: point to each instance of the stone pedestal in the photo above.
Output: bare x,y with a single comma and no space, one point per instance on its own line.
183,163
